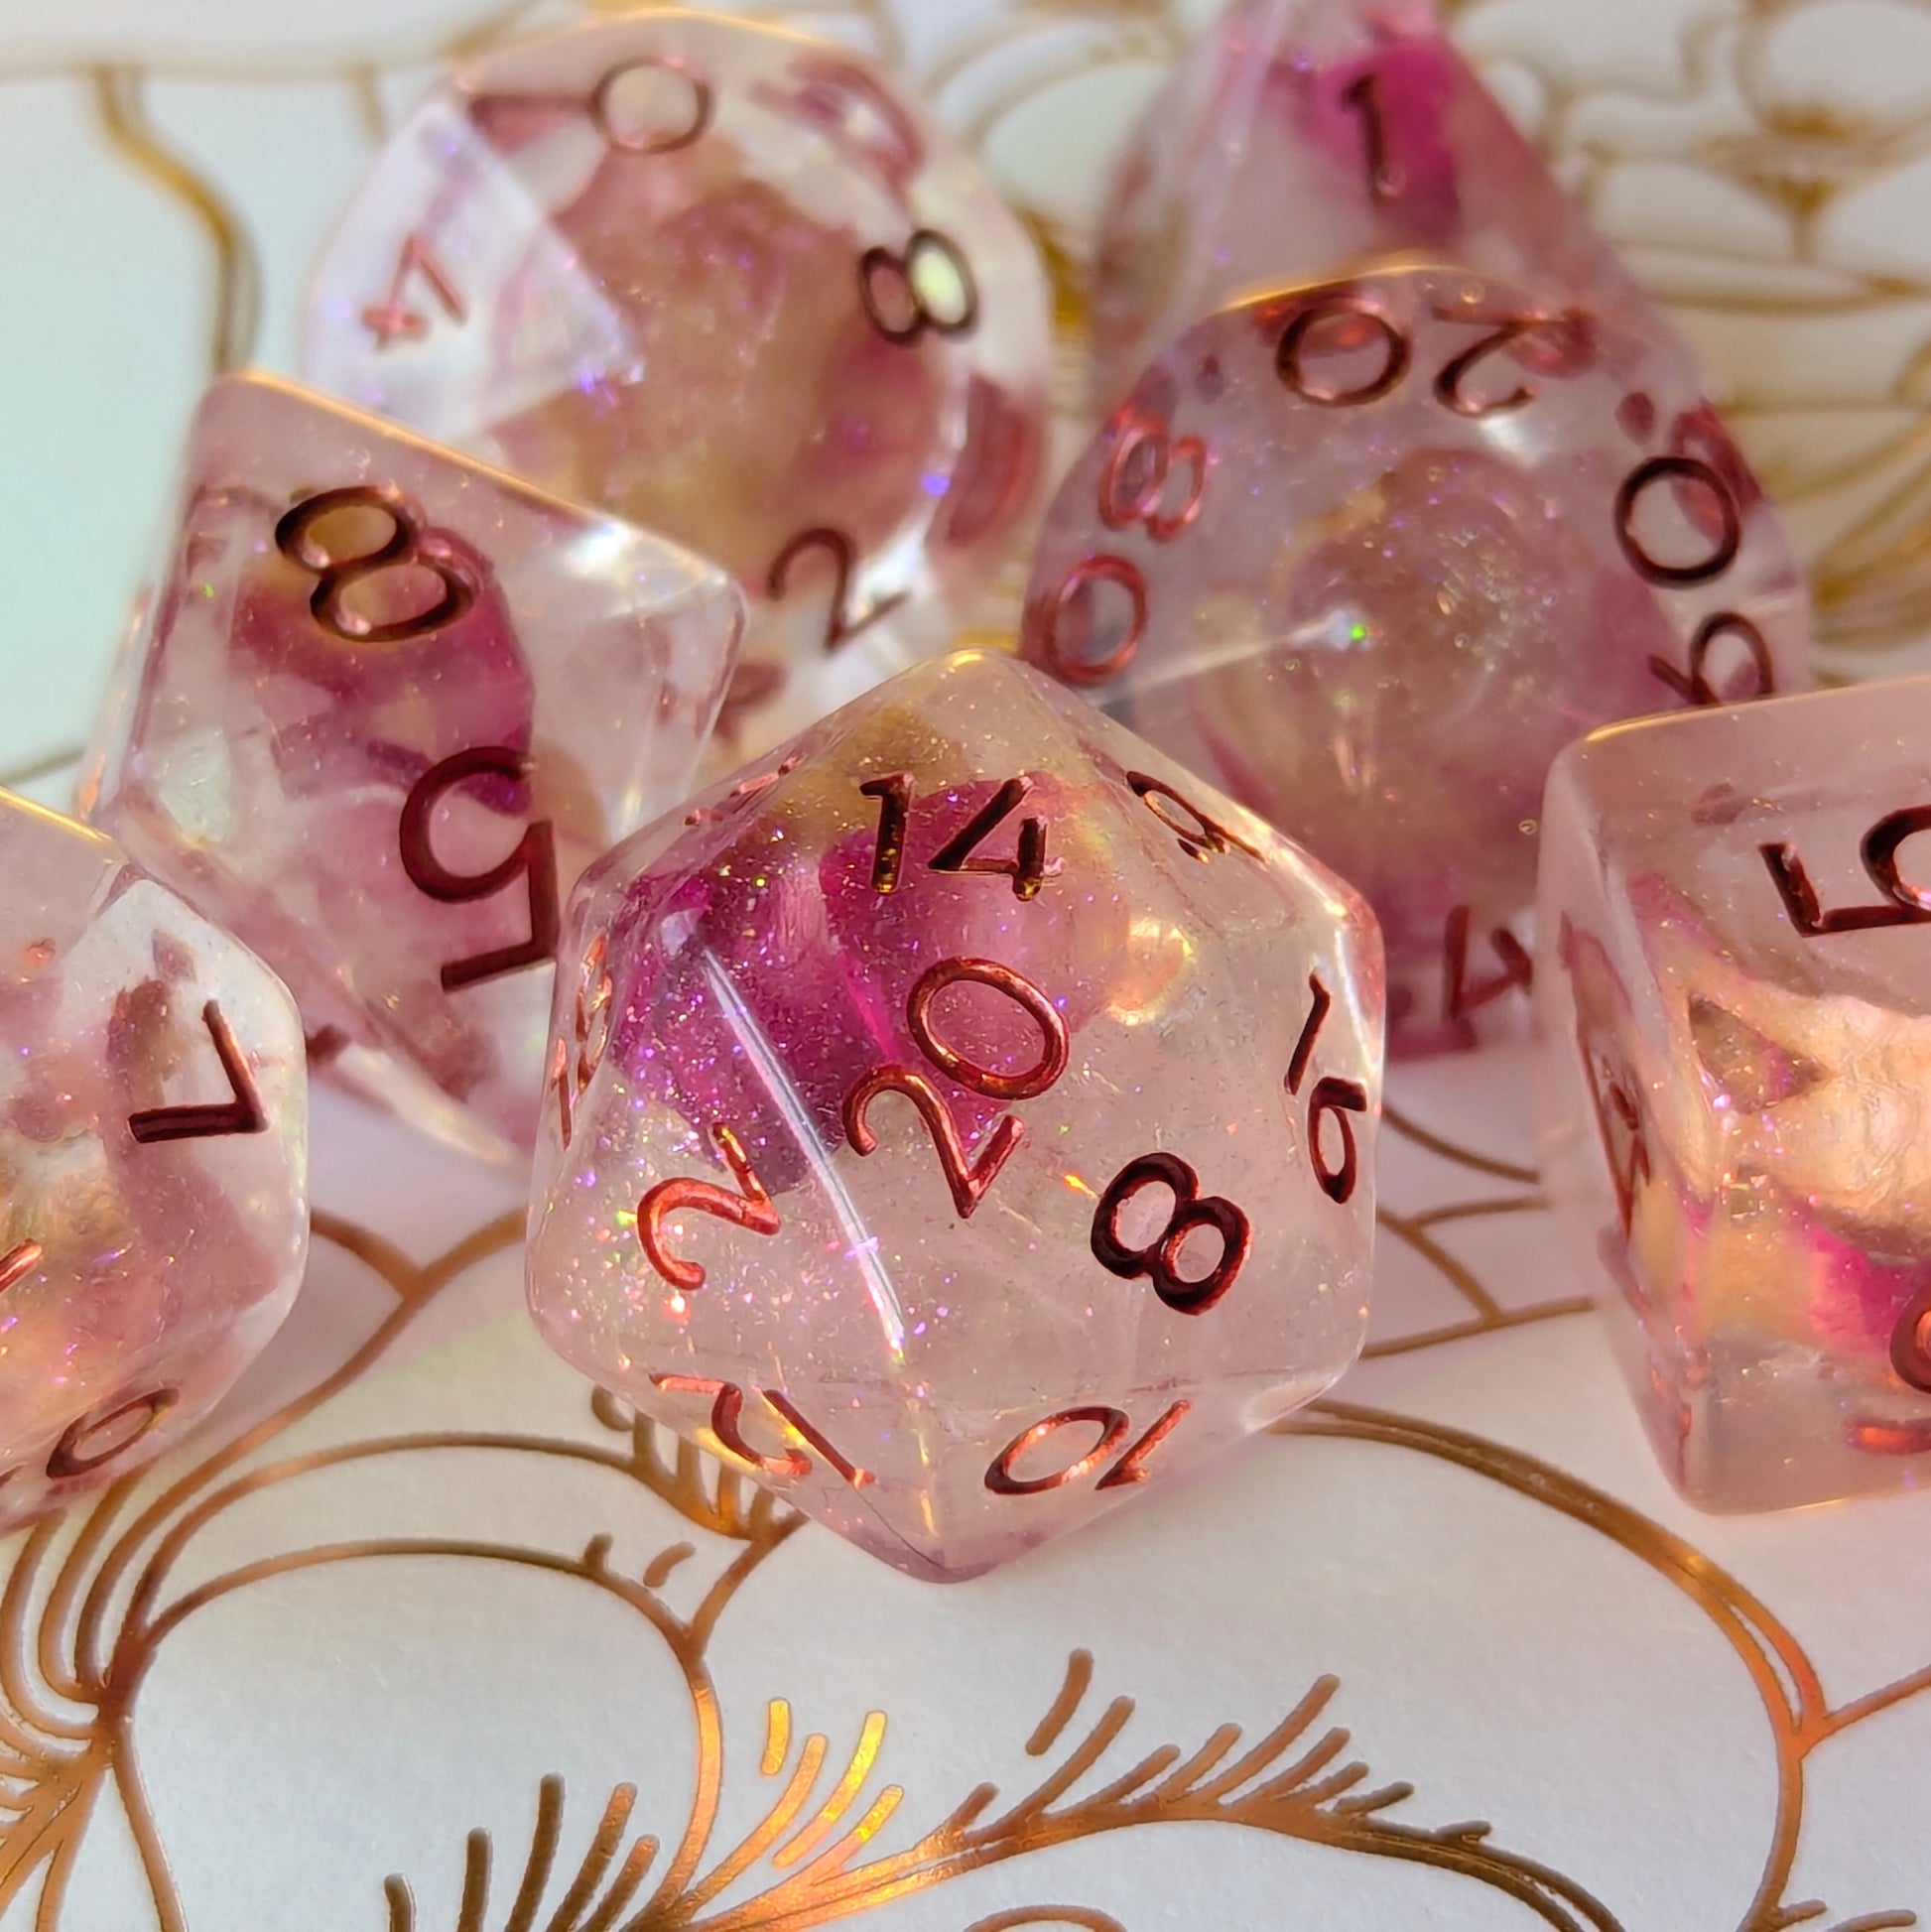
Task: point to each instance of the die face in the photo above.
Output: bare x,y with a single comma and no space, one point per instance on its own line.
731,284
1733,1111
153,1212
383,706
962,1049
1368,554
1359,115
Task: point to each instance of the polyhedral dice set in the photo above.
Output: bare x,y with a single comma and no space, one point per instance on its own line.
962,1116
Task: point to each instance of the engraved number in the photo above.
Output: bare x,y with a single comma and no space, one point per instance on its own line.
928,287
726,1425
1159,1260
1074,667
968,1180
1115,1425
534,859
1364,97
1679,471
1348,324
608,117
1332,1098
1028,870
843,623
1201,840
1910,1345
19,1262
81,1451
1055,1047
749,1207
1695,685
1910,905
1461,999
748,791
389,319
240,1114
1139,466
408,546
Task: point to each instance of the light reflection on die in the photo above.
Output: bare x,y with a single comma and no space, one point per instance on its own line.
735,285
380,708
1737,1082
961,1120
1369,554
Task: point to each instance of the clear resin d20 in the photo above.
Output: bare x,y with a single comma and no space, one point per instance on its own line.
962,1122
1735,993
733,284
154,1214
1368,554
380,708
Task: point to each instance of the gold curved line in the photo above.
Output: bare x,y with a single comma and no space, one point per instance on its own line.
838,1856
414,1289
1462,1279
16,1654
43,767
1516,1203
155,1870
1072,1688
597,1859
1091,1749
1786,1681
1216,1746
1268,1752
476,1883
542,1856
1073,1916
769,1829
1515,1317
402,1905
237,274
777,1737
658,1571
624,1887
843,1795
1434,1143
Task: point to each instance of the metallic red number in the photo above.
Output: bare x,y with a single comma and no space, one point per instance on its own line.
1910,1345
1618,1126
534,859
1695,685
590,1032
1364,97
607,118
746,792
968,1180
1204,838
1348,322
1910,904
1159,1260
1139,466
240,1114
1332,1100
1114,1425
81,1451
1461,998
1069,664
19,1262
389,319
886,276
408,546
1678,471
1028,870
727,1426
749,1207
1055,1045
843,623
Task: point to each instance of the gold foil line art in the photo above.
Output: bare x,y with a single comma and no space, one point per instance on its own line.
236,291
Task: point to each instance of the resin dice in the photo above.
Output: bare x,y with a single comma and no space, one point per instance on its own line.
735,285
961,1120
1738,1081
1368,555
1303,139
153,1162
380,708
